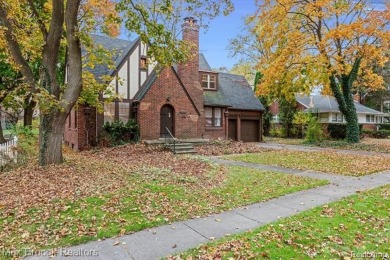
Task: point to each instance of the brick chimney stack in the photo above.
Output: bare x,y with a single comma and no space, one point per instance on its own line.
189,72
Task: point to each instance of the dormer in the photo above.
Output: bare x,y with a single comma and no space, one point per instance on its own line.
208,80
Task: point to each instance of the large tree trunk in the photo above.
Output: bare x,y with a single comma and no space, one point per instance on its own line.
353,131
50,138
343,94
28,112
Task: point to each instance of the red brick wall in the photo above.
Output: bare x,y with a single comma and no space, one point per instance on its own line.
168,90
217,132
76,136
71,131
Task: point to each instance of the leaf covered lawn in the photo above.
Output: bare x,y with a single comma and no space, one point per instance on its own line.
357,227
114,191
224,147
327,161
365,144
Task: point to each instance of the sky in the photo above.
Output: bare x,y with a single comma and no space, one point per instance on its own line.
213,42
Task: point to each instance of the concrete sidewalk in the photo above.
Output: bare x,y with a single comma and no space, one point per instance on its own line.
170,239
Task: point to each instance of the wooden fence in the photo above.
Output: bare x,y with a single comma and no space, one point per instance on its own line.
8,151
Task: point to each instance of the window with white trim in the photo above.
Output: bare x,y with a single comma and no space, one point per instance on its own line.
209,81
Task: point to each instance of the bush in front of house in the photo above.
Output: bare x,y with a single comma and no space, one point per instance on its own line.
314,132
381,134
339,131
121,133
383,126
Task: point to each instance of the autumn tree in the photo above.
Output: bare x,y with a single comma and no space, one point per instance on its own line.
39,28
327,43
8,77
26,25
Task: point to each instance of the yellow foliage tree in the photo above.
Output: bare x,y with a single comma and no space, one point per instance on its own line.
327,43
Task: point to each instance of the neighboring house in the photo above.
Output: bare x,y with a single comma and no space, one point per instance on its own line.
327,110
190,100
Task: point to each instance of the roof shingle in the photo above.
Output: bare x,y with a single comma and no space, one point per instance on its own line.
324,104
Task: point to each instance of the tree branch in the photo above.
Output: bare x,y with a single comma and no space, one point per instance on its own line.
15,50
52,47
41,24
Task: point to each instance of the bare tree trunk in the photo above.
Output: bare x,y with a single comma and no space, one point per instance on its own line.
28,112
50,138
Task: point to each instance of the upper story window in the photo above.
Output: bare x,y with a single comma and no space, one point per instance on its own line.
209,81
143,63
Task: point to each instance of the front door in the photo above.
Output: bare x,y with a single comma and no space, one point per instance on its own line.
166,121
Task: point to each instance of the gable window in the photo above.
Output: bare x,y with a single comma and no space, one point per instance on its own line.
209,81
213,116
143,63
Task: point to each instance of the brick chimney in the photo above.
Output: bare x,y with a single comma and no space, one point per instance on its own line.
189,71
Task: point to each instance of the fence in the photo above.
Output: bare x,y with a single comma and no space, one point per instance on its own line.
8,151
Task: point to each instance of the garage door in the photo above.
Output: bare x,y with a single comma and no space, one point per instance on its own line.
232,134
250,130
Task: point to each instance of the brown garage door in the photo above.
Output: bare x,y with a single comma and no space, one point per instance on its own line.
232,134
250,130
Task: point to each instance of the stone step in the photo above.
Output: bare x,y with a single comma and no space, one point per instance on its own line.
181,148
160,141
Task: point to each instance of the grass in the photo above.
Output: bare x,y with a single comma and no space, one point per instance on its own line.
330,162
355,227
140,196
365,144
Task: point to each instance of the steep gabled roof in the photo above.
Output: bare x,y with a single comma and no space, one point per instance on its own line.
325,104
237,92
146,86
203,64
119,49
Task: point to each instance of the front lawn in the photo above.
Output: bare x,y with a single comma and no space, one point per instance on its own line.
330,162
365,144
114,191
353,228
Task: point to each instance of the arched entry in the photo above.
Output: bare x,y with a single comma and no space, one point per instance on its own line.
166,120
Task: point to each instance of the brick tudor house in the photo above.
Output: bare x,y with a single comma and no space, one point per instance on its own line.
189,99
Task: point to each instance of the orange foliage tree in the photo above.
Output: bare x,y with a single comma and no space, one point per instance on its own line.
326,43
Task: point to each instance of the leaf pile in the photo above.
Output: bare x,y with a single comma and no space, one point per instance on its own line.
114,191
